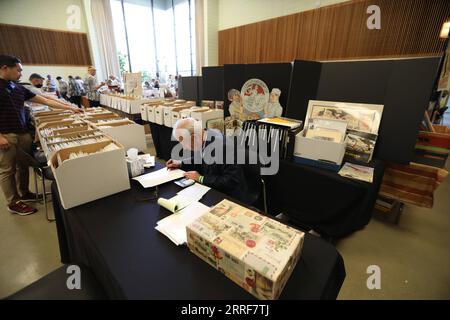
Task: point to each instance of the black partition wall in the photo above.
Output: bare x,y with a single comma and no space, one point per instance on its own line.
304,85
402,86
190,89
212,83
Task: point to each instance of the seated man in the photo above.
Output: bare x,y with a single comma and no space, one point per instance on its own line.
225,177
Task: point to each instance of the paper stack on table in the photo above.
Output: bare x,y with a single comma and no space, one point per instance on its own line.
158,177
174,226
176,203
357,172
185,208
196,191
149,160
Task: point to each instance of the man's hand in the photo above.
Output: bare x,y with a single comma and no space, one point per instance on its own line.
173,164
193,175
4,143
55,104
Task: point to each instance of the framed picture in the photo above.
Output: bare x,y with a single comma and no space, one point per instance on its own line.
359,116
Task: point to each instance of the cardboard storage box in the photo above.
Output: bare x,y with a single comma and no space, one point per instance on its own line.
52,118
319,150
205,115
127,133
151,113
92,177
167,115
254,251
187,113
176,113
60,127
159,114
145,110
78,135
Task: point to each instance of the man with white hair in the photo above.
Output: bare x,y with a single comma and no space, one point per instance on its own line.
273,108
227,178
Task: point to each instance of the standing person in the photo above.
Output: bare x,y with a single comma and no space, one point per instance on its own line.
63,87
80,81
91,85
50,84
36,84
15,138
175,85
75,90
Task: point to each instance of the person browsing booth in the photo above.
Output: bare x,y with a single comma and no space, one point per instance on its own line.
225,177
15,138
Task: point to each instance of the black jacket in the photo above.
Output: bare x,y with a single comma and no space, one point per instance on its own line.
227,178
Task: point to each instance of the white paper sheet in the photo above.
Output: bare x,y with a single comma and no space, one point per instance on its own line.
174,226
159,177
149,160
196,191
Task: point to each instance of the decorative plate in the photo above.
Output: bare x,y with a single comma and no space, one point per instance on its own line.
255,95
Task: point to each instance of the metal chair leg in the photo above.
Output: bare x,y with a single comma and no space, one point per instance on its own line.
264,195
36,184
44,195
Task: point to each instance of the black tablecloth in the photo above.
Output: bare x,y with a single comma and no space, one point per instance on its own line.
312,197
115,237
323,200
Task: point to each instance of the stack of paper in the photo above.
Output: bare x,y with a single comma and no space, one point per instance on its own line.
149,160
354,171
158,177
196,191
176,203
174,226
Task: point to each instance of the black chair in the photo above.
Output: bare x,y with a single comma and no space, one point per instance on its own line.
44,171
38,162
54,287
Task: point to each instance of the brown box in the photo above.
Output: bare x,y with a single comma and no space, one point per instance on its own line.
254,251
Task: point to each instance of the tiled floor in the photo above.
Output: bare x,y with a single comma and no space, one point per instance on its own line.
414,256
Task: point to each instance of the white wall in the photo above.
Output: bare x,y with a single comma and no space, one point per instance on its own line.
49,14
233,13
211,29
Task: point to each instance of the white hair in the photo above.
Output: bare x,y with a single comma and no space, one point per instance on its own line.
180,127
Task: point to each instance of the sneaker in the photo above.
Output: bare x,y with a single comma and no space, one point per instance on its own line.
31,197
21,208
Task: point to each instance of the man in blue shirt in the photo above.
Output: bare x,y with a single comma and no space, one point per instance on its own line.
15,139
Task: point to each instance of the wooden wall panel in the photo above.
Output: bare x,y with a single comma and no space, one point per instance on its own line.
38,46
408,28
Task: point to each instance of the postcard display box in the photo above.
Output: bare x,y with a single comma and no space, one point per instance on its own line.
91,177
254,251
148,109
206,115
329,154
126,132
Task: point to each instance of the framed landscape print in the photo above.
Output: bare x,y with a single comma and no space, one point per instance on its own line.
359,116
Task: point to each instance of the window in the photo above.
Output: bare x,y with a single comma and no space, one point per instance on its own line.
140,37
119,34
155,36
